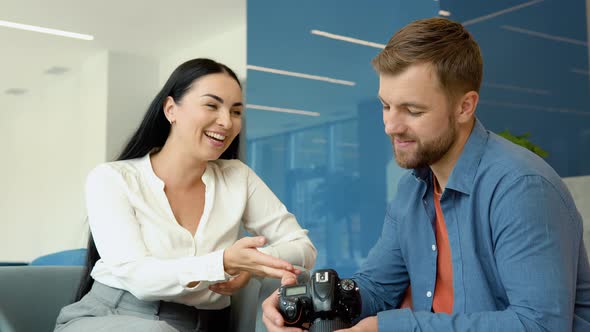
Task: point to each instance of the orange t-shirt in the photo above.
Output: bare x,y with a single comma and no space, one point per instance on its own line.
443,291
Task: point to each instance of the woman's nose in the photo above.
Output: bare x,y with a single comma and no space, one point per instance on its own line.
224,119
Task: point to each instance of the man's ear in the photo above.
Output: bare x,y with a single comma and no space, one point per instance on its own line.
466,107
169,109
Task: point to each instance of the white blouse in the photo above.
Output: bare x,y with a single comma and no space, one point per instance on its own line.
145,251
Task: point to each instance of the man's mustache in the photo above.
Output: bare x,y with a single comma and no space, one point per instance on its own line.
402,138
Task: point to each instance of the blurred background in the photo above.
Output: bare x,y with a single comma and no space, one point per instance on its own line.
313,128
329,159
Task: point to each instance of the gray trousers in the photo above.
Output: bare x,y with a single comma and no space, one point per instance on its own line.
109,309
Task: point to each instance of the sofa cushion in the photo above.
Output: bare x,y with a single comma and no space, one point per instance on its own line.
75,257
31,297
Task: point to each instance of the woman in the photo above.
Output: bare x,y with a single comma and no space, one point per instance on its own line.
166,216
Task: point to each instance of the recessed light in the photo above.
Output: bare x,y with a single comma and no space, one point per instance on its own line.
15,91
57,70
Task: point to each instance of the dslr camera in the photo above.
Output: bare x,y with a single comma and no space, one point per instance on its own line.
324,301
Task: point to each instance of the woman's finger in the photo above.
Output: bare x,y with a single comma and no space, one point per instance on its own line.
265,271
251,242
260,258
288,279
222,288
226,293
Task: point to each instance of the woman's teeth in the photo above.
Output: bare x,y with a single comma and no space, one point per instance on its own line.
216,136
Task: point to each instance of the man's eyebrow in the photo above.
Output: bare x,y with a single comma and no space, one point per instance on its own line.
407,104
219,99
413,105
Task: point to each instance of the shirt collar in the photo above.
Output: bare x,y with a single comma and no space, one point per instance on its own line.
465,168
145,165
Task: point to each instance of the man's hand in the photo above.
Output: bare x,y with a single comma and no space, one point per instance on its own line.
271,317
368,324
233,285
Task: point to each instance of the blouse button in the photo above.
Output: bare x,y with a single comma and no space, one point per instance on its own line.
429,294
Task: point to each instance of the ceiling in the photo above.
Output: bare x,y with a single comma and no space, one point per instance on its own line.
149,28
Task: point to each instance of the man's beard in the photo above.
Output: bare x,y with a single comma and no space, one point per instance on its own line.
426,153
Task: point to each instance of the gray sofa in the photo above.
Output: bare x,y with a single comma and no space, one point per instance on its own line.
32,296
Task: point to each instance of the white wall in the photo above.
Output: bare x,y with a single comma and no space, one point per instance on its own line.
579,187
132,84
49,145
228,47
93,96
54,135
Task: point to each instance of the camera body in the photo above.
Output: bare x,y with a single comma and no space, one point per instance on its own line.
325,301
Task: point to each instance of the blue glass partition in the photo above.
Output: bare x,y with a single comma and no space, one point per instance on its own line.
330,170
319,144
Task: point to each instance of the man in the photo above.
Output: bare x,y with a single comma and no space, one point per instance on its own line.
485,231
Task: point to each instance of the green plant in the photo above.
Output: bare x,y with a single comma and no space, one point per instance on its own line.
523,140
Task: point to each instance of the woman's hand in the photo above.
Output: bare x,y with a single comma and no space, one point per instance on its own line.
244,256
231,286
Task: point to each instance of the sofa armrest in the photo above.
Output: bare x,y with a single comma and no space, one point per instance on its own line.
32,296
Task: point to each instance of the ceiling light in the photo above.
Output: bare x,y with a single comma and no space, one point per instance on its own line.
533,107
544,35
301,75
500,12
445,13
580,71
57,70
15,91
281,110
516,88
45,30
347,39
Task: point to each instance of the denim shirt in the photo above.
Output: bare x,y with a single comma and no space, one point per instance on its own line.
519,262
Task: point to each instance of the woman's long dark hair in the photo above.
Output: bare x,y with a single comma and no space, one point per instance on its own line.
153,132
